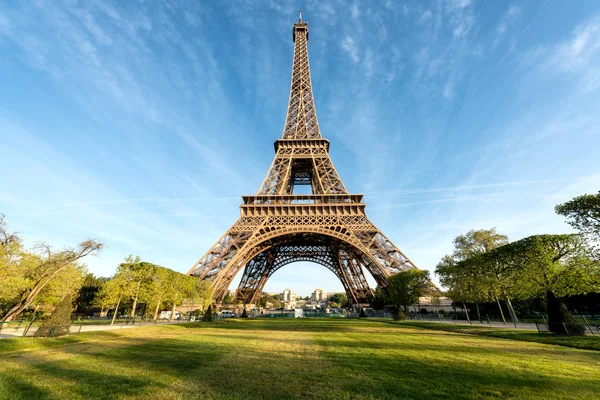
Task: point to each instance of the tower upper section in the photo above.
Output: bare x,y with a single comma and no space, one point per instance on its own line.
301,121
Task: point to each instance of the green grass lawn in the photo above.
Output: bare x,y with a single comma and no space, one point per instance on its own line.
289,359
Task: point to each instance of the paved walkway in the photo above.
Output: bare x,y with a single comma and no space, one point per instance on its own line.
12,332
530,326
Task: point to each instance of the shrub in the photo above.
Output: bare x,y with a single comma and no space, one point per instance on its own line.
208,315
59,322
559,318
400,315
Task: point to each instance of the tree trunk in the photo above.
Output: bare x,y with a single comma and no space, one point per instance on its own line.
134,305
511,310
156,309
501,312
26,302
172,312
478,313
116,311
560,319
466,312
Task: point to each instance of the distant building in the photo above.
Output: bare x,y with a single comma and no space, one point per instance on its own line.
431,304
318,295
288,297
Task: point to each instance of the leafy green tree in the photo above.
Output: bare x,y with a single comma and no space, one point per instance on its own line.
340,298
89,290
115,289
467,281
208,315
228,299
59,322
262,302
477,242
583,214
461,280
179,288
17,268
204,291
380,299
30,273
553,266
138,274
406,287
66,283
156,288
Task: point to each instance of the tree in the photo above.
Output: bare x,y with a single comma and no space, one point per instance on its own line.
67,282
59,322
138,274
17,267
88,292
228,299
180,287
340,298
406,287
262,302
33,272
583,214
208,315
477,242
156,288
467,281
462,279
380,299
205,291
115,289
553,266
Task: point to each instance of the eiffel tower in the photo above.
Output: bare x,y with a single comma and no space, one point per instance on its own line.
276,227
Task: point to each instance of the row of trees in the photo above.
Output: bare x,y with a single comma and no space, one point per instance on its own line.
153,285
39,279
485,267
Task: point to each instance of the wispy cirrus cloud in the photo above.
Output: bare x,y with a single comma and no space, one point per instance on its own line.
509,18
142,123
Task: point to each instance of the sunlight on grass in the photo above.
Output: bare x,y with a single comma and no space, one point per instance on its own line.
286,359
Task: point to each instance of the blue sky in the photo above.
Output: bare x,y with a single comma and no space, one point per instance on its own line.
142,123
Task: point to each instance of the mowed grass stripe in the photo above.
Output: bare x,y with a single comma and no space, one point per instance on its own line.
289,359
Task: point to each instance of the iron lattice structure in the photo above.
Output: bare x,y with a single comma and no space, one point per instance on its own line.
276,227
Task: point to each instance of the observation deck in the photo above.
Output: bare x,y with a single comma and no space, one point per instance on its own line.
294,205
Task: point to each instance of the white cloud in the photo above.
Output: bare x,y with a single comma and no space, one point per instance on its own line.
448,91
354,10
509,18
576,58
350,46
426,16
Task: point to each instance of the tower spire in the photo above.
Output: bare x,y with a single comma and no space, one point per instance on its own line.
301,121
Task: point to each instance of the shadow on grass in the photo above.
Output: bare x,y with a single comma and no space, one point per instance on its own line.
20,344
291,324
273,365
578,342
17,389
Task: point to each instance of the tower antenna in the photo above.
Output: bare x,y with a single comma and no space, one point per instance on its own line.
300,15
